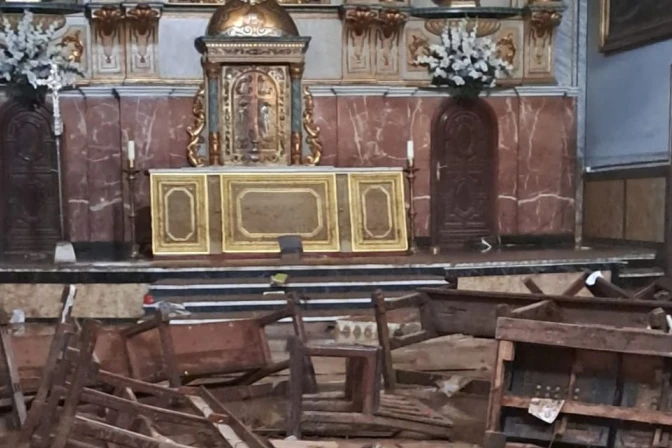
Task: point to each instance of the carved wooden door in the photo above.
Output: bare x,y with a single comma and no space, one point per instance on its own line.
463,155
29,208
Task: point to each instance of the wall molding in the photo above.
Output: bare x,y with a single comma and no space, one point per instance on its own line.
163,90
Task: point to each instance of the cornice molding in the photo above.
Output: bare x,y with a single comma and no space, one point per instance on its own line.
317,90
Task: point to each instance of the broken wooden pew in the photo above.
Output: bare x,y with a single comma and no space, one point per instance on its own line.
159,351
446,311
56,419
580,385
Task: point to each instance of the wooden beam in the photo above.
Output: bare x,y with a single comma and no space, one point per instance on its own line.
638,415
589,337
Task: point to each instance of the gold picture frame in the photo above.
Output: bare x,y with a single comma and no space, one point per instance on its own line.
626,25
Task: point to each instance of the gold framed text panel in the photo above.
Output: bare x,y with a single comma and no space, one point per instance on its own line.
260,207
377,212
179,206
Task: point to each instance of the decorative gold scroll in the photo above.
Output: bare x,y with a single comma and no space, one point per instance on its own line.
312,130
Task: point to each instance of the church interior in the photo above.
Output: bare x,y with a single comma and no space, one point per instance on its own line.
335,223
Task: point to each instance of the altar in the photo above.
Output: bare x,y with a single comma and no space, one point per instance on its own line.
244,210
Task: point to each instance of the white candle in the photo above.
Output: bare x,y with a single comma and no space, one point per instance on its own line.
410,153
130,151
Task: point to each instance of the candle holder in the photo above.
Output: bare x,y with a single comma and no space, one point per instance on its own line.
131,175
410,171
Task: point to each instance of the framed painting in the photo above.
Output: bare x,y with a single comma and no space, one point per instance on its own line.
628,24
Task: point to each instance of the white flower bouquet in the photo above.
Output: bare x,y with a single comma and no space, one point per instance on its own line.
28,55
464,62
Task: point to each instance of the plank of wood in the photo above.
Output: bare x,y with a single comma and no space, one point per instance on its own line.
588,337
303,443
226,431
598,410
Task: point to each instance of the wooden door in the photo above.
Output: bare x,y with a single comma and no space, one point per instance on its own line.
463,176
29,210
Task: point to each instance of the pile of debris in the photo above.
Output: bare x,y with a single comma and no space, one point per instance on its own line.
573,370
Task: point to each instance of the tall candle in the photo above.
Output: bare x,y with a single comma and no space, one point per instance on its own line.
410,153
130,151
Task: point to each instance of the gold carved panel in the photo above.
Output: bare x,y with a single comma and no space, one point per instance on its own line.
258,208
377,214
255,115
180,220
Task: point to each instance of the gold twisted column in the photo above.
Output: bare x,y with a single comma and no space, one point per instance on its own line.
296,73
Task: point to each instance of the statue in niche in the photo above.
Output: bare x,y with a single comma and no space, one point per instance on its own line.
264,120
255,103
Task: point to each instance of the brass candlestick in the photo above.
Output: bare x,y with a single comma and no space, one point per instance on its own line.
131,174
410,171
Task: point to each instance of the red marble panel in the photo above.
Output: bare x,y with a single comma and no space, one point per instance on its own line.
326,117
421,112
104,170
506,109
546,165
180,118
74,156
372,131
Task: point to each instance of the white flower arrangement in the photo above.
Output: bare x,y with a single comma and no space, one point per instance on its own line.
29,56
464,61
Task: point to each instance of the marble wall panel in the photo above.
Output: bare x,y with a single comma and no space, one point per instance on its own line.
96,132
546,165
534,175
104,169
75,168
535,166
508,118
326,117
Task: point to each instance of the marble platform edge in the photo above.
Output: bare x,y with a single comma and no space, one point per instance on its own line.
148,274
274,169
149,266
321,90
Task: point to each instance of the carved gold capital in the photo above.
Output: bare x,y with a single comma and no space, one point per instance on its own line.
543,22
311,129
74,43
142,18
359,20
213,148
212,69
506,48
107,20
390,22
196,128
296,71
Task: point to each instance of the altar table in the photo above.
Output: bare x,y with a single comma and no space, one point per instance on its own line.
239,210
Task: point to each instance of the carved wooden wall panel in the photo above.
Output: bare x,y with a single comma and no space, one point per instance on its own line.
464,144
29,208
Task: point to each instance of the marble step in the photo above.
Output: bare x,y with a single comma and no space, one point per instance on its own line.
303,285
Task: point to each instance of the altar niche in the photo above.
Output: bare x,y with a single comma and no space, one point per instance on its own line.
253,59
463,167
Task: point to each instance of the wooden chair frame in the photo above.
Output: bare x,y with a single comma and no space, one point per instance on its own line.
361,404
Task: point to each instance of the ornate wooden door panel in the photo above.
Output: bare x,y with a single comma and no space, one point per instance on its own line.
29,189
464,145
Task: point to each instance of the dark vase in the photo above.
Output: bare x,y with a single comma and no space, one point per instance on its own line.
29,95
